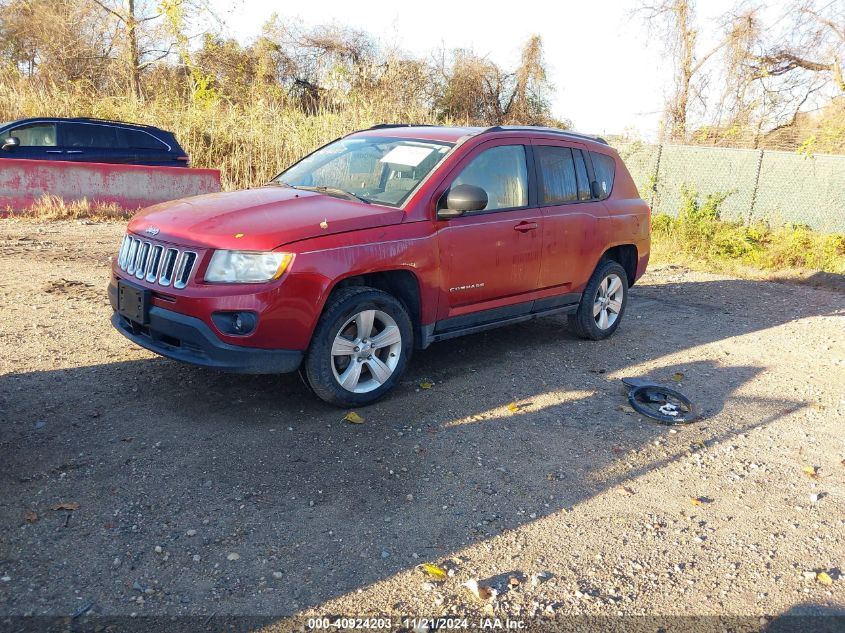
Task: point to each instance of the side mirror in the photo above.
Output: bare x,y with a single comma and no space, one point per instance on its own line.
461,199
11,143
596,190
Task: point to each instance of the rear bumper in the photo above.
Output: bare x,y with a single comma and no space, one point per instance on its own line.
190,340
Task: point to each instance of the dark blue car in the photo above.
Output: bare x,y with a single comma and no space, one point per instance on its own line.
90,141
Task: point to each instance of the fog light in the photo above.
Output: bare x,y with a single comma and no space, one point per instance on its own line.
235,323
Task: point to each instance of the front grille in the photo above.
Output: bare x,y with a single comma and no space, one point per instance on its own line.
157,264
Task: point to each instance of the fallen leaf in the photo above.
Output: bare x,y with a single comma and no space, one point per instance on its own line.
31,516
677,376
68,505
324,224
824,578
695,502
514,407
625,409
434,571
811,471
238,236
354,418
234,556
426,385
482,593
513,581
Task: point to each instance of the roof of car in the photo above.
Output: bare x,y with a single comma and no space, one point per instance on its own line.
50,119
450,134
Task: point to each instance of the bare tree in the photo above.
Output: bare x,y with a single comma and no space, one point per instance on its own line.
528,101
151,31
678,25
476,90
59,40
814,43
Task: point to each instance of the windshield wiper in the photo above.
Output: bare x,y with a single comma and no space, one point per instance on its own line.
281,183
336,191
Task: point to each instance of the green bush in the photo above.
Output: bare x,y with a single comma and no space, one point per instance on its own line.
701,233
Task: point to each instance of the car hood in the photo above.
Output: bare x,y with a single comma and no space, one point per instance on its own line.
257,219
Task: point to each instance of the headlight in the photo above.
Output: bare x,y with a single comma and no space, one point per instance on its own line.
246,266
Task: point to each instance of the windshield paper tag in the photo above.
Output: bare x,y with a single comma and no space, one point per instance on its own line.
406,155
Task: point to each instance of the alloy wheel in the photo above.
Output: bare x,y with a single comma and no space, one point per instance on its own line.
365,351
608,301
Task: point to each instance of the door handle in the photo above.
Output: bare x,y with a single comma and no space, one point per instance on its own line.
54,151
524,227
74,151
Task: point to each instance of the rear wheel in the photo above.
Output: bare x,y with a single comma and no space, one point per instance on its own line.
603,302
360,347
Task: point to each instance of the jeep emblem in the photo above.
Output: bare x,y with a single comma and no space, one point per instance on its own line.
151,230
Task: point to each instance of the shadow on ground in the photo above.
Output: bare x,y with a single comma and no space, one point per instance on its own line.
151,449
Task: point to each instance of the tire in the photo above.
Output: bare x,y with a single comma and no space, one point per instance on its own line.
601,310
373,365
645,400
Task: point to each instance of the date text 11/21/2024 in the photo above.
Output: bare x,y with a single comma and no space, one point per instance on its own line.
414,623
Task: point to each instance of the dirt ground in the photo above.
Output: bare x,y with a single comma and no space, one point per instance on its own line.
205,493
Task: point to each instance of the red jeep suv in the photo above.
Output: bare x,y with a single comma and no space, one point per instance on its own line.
383,241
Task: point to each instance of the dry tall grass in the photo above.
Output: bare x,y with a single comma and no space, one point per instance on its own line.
50,208
250,142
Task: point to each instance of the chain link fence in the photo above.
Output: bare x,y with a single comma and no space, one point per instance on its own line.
763,185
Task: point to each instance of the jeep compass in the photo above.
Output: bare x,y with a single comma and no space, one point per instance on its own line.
381,242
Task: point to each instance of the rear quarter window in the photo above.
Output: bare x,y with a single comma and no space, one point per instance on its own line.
136,139
605,169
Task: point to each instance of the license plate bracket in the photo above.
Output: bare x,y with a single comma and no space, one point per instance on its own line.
133,302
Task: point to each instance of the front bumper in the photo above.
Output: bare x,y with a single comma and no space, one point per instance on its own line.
190,340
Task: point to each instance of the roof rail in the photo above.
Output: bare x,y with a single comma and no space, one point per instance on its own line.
547,130
100,120
380,126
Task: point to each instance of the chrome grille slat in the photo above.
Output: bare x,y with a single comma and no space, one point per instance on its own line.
124,248
156,263
168,266
186,263
131,256
155,260
143,259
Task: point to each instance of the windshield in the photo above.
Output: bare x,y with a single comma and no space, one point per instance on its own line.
377,170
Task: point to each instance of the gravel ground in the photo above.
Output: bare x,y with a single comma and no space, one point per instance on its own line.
198,492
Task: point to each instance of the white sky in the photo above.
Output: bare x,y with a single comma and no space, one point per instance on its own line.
608,78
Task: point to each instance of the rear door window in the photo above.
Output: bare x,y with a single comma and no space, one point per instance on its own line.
87,135
557,174
36,135
605,168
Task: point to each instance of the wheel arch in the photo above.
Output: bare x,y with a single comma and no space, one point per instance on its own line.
626,256
398,282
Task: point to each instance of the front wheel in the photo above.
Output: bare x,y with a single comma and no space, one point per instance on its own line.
603,302
360,347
